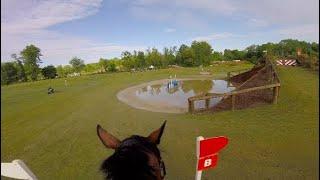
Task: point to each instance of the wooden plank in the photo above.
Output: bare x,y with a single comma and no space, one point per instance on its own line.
274,69
253,89
255,75
207,103
213,95
275,94
233,102
190,105
236,72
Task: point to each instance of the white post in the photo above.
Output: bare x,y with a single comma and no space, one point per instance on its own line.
198,173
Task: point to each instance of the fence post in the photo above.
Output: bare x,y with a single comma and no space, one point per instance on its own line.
228,80
233,102
272,77
207,103
275,94
191,105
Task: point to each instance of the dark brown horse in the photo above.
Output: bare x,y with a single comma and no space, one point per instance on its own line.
134,158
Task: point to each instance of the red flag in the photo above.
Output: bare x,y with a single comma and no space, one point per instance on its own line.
208,151
211,146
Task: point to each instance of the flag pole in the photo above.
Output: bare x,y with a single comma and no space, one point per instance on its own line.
198,173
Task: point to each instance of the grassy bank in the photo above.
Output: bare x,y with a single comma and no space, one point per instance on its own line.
56,137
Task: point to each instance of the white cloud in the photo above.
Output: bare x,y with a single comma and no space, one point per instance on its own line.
169,30
217,36
309,32
184,13
28,21
59,48
284,12
42,14
255,13
257,23
20,28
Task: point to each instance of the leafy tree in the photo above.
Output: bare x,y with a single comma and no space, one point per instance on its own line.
234,54
179,59
202,52
112,66
103,64
252,53
49,72
153,57
60,71
128,61
118,64
8,73
186,56
140,60
21,75
315,47
68,69
169,55
92,68
217,56
31,59
77,64
228,55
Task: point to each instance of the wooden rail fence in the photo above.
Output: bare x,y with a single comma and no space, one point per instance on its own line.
233,73
208,96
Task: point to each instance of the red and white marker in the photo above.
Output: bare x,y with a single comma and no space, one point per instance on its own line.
207,152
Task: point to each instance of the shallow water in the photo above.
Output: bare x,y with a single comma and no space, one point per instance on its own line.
177,97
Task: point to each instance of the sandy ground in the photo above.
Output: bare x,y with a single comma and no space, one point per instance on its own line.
128,96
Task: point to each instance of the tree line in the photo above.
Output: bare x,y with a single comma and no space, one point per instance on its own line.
26,66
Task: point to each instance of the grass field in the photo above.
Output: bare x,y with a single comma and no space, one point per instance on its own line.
55,135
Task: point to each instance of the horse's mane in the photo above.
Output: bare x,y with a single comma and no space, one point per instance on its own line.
130,160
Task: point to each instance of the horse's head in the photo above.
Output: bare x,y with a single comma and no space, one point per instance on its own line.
134,158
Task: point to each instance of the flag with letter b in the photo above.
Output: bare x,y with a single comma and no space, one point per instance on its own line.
207,151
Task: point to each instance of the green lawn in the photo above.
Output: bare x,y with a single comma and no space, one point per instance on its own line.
55,135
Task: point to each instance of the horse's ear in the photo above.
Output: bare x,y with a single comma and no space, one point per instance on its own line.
155,136
107,139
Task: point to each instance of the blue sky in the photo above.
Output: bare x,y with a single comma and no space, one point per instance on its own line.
91,29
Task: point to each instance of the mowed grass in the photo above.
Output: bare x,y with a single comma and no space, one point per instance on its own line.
55,135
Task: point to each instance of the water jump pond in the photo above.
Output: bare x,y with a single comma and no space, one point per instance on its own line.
157,96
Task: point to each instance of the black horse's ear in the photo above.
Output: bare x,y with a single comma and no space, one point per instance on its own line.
155,136
107,139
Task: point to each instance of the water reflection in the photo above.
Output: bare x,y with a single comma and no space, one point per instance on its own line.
197,86
178,96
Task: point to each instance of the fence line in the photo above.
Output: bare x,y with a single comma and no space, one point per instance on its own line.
207,96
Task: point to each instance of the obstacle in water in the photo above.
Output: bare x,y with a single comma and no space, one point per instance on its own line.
173,82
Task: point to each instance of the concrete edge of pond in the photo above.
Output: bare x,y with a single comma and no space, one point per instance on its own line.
128,96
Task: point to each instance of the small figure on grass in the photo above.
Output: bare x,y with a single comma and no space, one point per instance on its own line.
50,90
